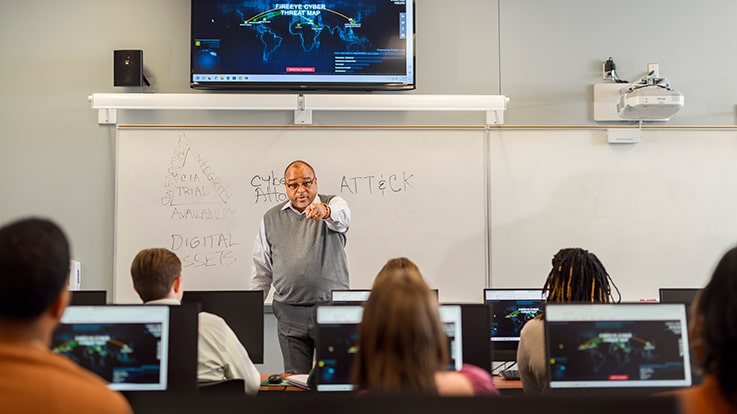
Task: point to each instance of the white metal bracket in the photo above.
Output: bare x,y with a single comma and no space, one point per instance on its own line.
302,115
107,104
107,116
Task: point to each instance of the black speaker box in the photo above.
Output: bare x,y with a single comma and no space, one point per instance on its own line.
128,68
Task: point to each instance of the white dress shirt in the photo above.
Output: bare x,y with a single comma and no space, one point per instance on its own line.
220,355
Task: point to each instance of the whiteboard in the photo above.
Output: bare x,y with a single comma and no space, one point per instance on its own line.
657,214
201,192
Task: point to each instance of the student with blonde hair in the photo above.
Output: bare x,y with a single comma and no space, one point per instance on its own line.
398,267
402,346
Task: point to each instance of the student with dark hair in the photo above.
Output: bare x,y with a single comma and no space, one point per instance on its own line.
402,346
157,278
577,275
34,272
713,335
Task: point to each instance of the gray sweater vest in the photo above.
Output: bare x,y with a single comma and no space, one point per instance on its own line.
307,259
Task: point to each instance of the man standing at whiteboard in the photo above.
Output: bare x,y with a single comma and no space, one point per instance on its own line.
300,250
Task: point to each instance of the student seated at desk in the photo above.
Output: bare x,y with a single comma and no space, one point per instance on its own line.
157,280
402,346
34,272
713,337
577,276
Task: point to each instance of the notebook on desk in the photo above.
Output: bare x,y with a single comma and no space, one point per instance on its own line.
299,380
631,348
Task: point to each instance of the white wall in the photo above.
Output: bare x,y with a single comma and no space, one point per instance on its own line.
551,53
655,213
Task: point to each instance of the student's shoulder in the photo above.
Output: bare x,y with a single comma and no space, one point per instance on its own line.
535,325
453,383
480,380
209,322
210,319
71,379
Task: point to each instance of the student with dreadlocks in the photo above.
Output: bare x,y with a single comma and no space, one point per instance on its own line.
577,276
713,335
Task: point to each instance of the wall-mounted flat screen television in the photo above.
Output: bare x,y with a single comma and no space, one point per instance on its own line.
302,45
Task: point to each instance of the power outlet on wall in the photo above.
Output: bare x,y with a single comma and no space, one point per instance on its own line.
653,68
605,74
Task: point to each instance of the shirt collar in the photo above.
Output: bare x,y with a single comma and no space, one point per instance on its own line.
165,301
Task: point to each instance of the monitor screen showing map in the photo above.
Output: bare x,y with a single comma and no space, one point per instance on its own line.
604,346
126,345
510,310
302,45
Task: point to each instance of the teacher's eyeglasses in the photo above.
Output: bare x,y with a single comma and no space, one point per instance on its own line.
305,184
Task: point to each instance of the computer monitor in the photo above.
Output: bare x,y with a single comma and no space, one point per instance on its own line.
336,346
509,310
348,296
183,335
452,317
632,347
243,310
352,296
126,345
477,349
685,296
677,295
88,297
337,342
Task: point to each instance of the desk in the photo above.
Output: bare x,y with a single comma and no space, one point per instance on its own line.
269,388
508,387
505,387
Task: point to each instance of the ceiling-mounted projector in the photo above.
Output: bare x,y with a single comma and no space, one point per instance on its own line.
652,103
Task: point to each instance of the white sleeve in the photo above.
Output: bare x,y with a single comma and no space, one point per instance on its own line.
261,274
238,362
340,215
